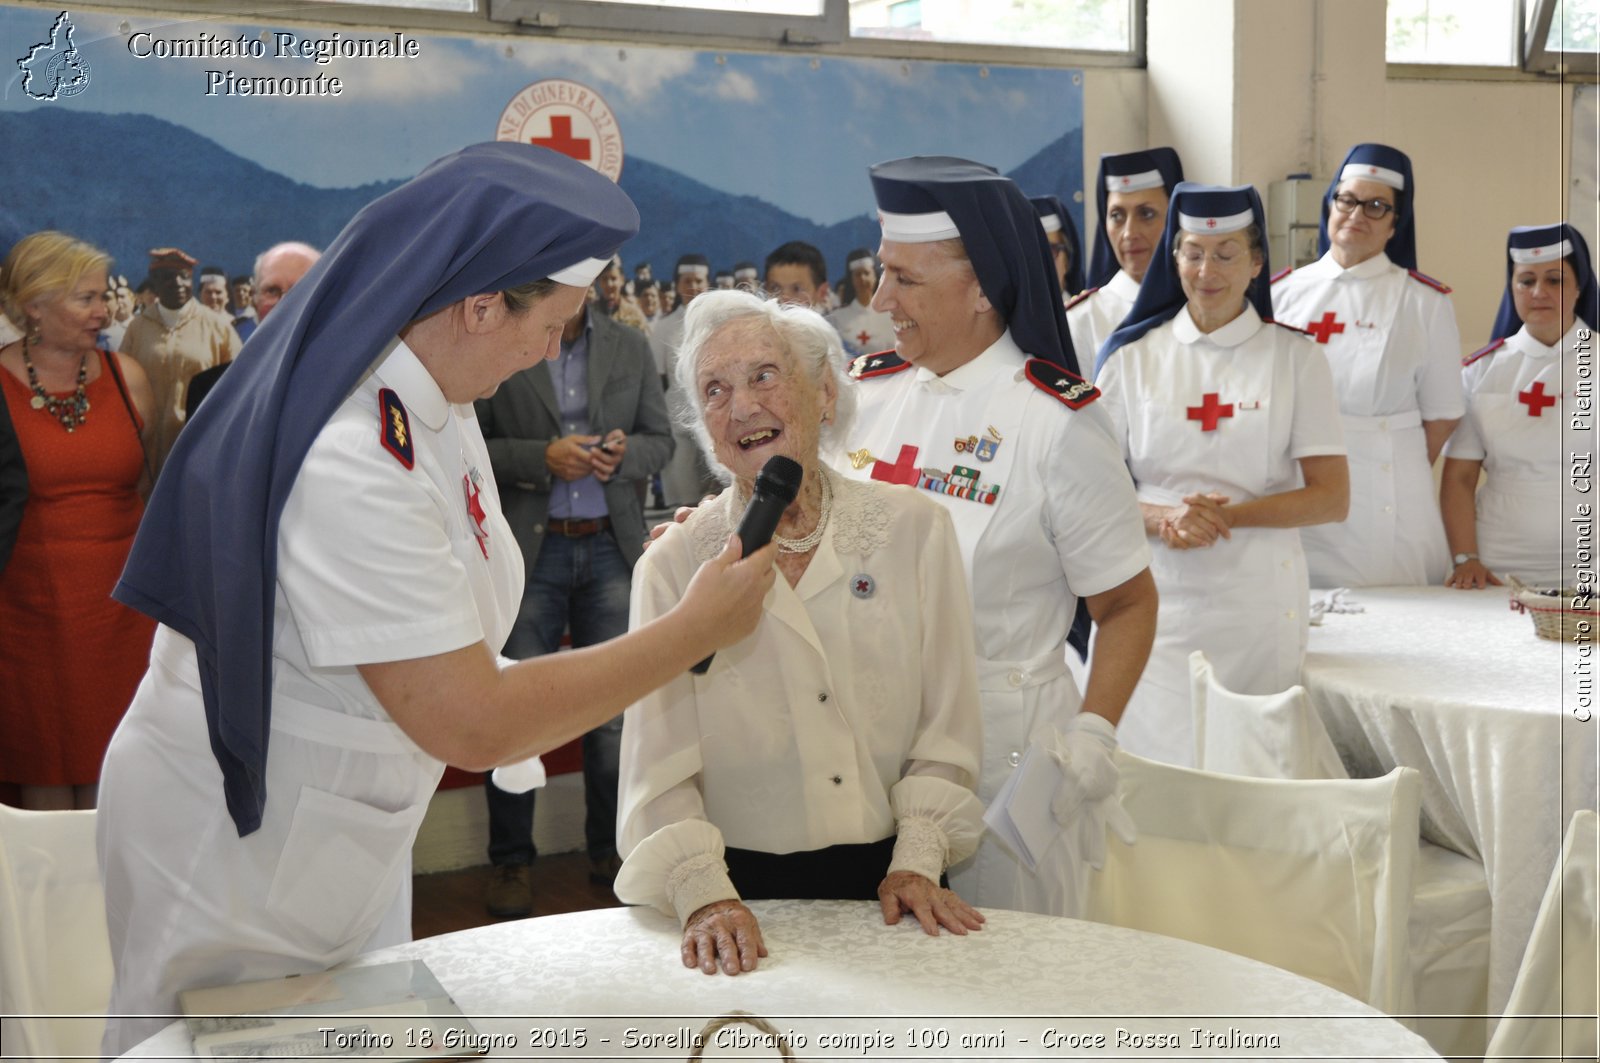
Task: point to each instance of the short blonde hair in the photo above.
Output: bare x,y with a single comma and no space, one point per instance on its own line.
43,264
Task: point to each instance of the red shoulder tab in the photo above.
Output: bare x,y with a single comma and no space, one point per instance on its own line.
394,431
1482,352
883,363
1285,324
1282,273
1081,296
1073,391
1436,285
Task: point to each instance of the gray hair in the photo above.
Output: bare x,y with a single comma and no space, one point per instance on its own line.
805,334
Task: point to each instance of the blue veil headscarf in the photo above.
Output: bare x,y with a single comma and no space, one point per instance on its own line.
1050,209
1003,238
490,217
1161,294
1533,243
1389,166
1130,171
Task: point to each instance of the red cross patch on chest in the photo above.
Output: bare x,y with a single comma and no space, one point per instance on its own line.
1536,400
1210,412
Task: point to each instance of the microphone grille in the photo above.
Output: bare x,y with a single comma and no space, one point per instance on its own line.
781,477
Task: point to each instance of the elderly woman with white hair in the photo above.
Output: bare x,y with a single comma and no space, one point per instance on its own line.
833,752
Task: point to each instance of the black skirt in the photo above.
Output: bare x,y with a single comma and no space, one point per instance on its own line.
836,873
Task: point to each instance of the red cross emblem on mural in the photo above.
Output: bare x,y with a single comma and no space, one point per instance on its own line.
1210,411
903,471
1327,328
1535,399
562,140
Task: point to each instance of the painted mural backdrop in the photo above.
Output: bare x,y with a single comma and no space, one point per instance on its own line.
225,137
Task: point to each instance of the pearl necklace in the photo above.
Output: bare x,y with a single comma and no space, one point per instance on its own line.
71,411
809,542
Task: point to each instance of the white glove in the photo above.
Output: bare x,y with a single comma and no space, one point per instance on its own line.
519,777
1086,803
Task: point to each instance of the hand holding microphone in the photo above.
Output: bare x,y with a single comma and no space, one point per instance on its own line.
776,488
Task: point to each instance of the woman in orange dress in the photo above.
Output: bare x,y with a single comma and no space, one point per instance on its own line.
70,656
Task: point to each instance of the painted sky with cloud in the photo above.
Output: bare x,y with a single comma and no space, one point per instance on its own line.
797,131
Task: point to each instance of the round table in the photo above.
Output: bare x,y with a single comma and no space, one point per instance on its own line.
843,985
1455,684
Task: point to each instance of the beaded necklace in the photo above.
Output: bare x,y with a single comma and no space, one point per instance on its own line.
71,411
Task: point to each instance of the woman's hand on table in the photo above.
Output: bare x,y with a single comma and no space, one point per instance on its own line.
1471,575
1198,522
725,933
934,906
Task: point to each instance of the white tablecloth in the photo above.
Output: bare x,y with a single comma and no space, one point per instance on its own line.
1455,684
836,970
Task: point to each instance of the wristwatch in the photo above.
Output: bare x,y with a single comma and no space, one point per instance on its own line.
1461,559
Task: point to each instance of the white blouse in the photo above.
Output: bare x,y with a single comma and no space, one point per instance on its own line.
850,715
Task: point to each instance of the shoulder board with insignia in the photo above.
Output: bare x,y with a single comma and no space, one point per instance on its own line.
1081,296
1482,352
395,430
1438,286
1284,324
883,363
1073,391
1282,273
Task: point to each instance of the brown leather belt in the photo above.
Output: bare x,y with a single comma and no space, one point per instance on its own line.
577,529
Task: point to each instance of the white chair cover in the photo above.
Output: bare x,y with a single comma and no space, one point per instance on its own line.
1266,736
1280,736
55,956
1558,973
1311,876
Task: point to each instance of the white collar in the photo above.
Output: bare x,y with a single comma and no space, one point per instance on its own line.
1124,285
400,369
171,318
1001,358
1523,341
1375,266
1232,334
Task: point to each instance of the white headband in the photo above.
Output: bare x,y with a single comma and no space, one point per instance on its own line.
865,260
746,274
1051,223
1134,182
1549,253
1365,171
702,272
581,274
918,228
1232,223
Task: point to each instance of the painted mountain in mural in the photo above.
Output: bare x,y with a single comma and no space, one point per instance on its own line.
132,182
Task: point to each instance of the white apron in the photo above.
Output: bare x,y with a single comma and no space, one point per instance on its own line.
1526,498
328,873
1393,534
1243,601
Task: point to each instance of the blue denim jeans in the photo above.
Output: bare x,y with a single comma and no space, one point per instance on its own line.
579,585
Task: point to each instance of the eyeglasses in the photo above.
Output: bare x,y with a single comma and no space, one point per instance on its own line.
1376,209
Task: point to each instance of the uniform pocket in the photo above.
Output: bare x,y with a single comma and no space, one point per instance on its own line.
341,865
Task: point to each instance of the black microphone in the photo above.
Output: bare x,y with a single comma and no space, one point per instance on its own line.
777,485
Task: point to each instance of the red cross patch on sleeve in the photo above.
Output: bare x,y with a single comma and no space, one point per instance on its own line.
1073,391
394,430
1282,273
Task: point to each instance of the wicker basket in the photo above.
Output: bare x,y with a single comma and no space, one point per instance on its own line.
1558,615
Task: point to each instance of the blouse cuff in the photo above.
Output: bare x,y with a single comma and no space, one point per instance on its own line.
677,870
949,808
919,846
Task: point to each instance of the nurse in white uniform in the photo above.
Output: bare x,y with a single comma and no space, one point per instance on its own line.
1527,429
1066,249
333,577
1131,194
1229,426
1390,336
976,407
